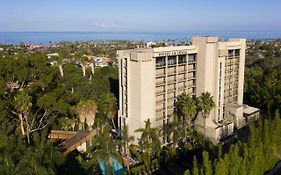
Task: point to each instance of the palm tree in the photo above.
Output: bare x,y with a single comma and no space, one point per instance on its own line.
108,106
105,148
149,138
87,112
186,107
59,62
173,130
83,64
126,139
205,104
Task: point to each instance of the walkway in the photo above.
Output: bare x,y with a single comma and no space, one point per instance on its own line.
71,139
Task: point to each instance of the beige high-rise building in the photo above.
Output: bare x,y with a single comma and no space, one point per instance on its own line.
151,79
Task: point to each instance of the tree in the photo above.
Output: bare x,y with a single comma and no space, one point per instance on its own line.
205,105
207,165
174,132
186,107
29,122
126,140
23,104
195,168
108,107
87,111
59,61
149,142
104,148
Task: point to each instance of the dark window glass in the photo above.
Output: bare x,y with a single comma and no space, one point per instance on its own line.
172,60
191,57
182,59
160,61
230,53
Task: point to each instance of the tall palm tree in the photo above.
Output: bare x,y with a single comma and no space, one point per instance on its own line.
87,112
108,106
83,64
59,63
126,139
205,104
104,148
149,138
186,107
173,131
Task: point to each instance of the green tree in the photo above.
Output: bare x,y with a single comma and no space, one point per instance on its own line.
107,104
59,61
186,107
207,165
126,139
104,148
174,132
86,111
195,167
149,142
205,104
23,104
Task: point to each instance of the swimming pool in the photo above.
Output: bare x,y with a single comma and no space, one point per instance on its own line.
116,166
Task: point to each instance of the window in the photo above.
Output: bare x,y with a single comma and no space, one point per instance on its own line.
182,59
230,53
191,57
160,61
172,60
237,52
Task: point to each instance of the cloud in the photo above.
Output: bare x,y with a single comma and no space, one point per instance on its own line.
106,25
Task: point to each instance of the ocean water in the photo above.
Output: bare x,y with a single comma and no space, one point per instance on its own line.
55,37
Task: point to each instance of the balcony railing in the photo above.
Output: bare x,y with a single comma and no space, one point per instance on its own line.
160,83
160,92
160,75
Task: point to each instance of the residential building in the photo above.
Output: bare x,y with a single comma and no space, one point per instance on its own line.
101,61
151,79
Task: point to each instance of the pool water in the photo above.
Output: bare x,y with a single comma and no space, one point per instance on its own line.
116,166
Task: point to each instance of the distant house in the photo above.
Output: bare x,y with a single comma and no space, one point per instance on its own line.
101,61
50,55
150,44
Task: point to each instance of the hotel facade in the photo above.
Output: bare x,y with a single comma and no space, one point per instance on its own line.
151,79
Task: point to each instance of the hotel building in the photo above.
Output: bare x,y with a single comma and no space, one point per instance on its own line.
151,79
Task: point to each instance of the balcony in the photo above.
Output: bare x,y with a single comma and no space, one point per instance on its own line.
160,92
181,71
170,107
191,70
191,77
172,73
181,80
160,110
171,98
170,111
171,82
191,85
160,101
160,75
171,90
160,83
181,88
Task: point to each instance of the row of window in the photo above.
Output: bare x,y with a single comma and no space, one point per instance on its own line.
172,60
234,52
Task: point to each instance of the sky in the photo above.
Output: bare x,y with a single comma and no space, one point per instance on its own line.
139,15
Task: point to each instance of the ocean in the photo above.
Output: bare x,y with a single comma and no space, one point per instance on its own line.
55,37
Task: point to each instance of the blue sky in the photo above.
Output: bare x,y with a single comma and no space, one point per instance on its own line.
140,16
